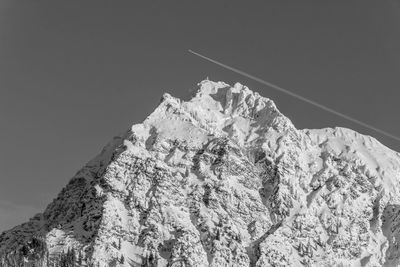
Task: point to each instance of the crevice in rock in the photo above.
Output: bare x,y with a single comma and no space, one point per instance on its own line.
253,250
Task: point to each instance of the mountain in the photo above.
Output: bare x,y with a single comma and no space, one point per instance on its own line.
224,179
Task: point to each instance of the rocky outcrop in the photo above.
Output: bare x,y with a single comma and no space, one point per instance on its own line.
224,179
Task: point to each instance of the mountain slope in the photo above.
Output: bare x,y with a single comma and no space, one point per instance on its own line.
224,179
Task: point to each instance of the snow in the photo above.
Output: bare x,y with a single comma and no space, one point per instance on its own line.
225,179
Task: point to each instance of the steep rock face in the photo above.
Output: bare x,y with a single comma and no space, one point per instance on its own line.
221,180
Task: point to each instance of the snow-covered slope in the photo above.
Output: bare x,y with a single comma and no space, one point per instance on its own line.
224,179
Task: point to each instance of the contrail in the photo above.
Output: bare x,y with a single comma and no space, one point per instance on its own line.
309,101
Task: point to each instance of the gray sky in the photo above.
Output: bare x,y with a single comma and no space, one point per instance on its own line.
75,73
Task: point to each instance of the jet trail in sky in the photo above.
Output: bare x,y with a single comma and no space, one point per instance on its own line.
309,101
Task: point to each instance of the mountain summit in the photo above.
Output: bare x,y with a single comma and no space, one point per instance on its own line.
224,179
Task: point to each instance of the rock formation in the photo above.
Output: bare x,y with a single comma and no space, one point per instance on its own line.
224,179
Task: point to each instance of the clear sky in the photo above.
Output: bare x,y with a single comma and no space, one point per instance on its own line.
75,73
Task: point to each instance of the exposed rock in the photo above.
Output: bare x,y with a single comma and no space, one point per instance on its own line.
221,180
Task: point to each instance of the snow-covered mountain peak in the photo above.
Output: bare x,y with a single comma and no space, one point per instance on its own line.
224,179
236,112
237,100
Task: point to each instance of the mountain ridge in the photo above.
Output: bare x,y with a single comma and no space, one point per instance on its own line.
224,179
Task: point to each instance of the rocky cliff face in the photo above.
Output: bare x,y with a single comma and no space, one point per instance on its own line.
221,180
